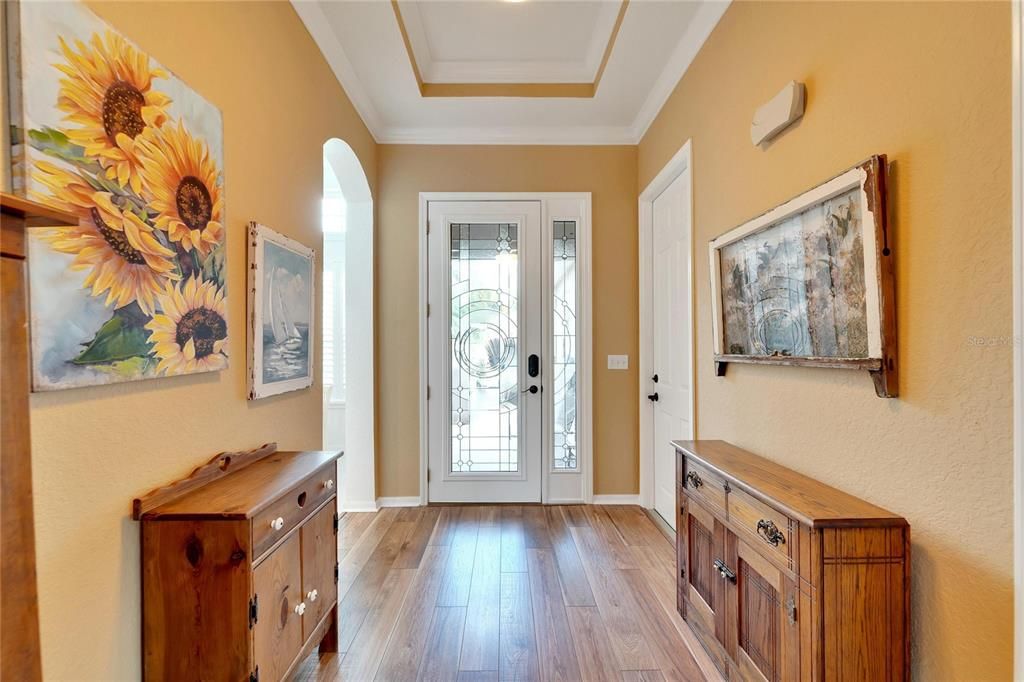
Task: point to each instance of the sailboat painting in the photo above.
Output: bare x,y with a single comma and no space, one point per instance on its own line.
281,303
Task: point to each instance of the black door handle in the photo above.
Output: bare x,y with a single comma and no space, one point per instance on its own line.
653,397
655,378
531,389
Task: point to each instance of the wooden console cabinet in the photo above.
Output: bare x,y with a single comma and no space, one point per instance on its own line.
785,578
240,567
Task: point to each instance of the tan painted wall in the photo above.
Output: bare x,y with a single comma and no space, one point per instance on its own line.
95,449
610,174
930,86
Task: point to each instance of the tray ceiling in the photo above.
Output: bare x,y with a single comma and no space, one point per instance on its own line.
499,72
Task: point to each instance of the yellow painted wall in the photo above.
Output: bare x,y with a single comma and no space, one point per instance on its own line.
929,85
610,174
95,449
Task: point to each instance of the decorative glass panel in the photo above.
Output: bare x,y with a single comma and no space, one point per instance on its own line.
564,344
484,348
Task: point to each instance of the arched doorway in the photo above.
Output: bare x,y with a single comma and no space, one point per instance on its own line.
349,391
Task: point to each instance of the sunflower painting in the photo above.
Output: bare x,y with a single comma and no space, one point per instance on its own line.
99,129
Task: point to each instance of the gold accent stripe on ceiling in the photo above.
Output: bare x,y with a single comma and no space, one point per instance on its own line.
573,90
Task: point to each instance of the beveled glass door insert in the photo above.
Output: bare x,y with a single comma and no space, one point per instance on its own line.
484,343
485,408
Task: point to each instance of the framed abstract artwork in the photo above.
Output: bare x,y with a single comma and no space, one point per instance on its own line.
811,282
99,129
281,313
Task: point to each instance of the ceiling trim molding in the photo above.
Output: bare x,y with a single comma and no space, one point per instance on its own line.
431,71
538,135
413,33
705,19
697,32
319,28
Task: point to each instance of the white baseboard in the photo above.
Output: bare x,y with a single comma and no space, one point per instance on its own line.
567,500
617,499
412,501
359,506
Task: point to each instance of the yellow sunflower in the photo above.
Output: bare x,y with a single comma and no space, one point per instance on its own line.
191,333
108,92
127,260
182,179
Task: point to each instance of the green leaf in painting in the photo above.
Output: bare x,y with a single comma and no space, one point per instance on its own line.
55,143
213,266
123,336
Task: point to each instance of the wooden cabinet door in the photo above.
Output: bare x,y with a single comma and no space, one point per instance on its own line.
762,625
704,588
277,633
319,557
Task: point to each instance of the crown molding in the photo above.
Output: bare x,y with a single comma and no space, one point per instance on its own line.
704,21
443,71
537,135
697,32
323,35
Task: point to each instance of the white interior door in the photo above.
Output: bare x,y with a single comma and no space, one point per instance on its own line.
484,327
670,389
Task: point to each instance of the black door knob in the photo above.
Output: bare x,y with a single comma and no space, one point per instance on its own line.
531,389
653,397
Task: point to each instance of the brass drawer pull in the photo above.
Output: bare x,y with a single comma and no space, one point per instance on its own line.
724,571
770,532
694,480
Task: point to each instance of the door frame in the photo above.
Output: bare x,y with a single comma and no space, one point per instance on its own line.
681,163
584,348
1016,343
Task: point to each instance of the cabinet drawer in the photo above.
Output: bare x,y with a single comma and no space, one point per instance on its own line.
773,529
704,484
274,522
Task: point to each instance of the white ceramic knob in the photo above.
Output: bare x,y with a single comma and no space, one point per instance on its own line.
278,523
300,608
329,483
312,595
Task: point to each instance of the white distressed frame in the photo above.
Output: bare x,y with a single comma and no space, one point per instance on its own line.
258,235
680,163
584,394
852,179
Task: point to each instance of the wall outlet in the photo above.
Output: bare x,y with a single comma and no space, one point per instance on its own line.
618,362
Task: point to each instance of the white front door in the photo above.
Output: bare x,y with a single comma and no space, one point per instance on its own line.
670,389
485,343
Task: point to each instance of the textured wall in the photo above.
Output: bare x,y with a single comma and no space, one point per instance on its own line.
610,174
95,449
929,85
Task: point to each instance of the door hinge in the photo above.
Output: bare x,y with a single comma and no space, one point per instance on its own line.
428,475
337,520
254,610
682,573
791,610
254,676
428,227
428,392
428,310
335,572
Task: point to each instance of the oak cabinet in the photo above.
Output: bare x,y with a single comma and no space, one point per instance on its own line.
240,567
784,578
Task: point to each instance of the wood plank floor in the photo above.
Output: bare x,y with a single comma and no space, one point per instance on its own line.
466,593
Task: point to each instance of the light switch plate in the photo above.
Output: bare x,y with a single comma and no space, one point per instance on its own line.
618,362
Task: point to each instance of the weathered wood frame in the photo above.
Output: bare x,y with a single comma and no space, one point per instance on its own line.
258,235
879,270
